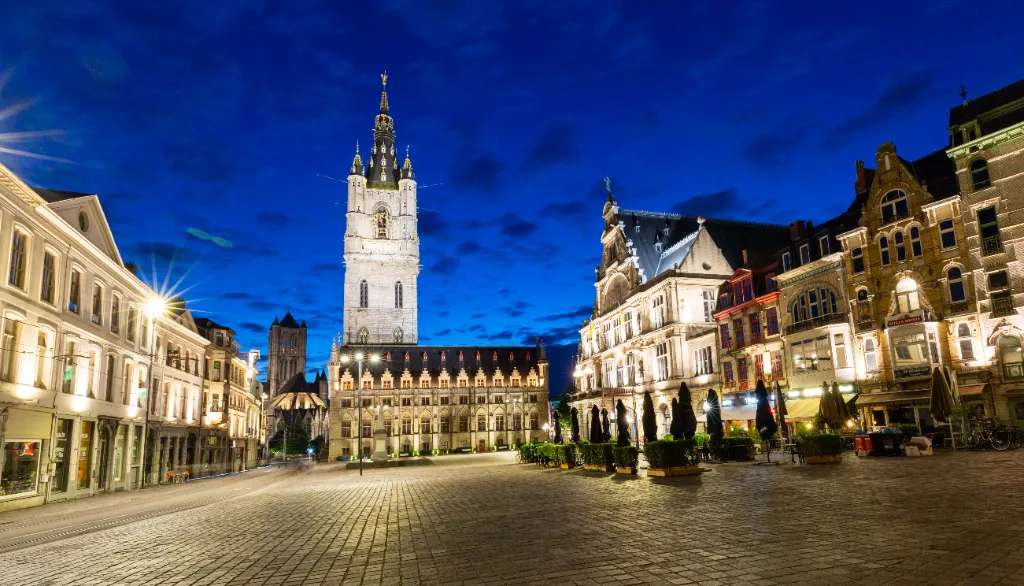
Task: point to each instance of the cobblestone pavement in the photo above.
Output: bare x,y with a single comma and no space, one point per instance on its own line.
952,518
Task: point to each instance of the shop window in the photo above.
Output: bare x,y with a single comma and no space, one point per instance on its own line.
20,474
85,455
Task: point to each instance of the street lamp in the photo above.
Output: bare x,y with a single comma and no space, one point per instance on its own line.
359,357
263,427
152,309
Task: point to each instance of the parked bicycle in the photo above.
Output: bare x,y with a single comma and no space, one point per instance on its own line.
987,433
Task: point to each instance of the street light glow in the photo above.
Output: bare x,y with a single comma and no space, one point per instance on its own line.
154,307
374,358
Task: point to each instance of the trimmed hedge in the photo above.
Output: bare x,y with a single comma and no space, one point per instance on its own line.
597,454
670,453
738,447
625,456
822,444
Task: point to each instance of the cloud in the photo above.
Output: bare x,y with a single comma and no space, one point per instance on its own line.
274,218
445,265
576,314
254,327
562,335
502,335
772,148
479,173
162,253
555,146
200,160
430,223
325,268
515,226
469,247
444,332
707,204
238,295
262,305
900,97
568,209
202,236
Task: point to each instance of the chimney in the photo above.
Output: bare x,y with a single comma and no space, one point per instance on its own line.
746,258
796,230
861,182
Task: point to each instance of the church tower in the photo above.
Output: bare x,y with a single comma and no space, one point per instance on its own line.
286,345
382,246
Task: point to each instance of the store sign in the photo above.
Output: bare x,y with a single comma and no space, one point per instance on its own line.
913,372
902,321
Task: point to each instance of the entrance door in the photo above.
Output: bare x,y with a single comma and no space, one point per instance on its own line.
61,453
104,456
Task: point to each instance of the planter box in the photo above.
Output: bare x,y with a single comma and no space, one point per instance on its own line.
832,459
627,470
598,468
677,471
563,466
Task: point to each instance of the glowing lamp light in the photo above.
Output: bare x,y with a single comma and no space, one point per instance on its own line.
25,393
359,356
79,403
808,425
706,405
374,358
849,423
154,307
133,411
344,358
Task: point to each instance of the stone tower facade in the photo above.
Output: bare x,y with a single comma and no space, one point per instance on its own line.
286,343
382,246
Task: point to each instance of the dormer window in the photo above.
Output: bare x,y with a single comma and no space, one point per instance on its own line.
895,206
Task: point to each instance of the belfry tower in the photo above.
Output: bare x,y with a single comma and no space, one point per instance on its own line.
382,246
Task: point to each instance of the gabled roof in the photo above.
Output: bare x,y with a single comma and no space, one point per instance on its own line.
677,234
418,358
71,205
55,195
288,321
935,171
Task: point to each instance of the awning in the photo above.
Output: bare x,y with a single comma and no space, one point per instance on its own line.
739,413
27,424
297,402
868,399
802,408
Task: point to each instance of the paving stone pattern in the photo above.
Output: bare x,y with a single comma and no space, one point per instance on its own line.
952,518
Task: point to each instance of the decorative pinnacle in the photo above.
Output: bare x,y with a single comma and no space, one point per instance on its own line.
384,92
384,79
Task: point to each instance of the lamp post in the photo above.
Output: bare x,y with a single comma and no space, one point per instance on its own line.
153,308
263,427
358,357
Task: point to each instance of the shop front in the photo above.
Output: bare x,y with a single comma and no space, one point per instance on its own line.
25,436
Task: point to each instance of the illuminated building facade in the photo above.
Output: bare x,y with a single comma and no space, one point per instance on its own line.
414,399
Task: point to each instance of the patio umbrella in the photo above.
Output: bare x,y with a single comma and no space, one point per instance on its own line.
558,431
763,418
942,399
841,406
827,408
574,434
780,410
620,423
687,418
595,425
649,421
676,420
713,419
606,427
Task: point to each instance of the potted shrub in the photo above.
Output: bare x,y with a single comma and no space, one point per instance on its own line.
625,459
566,455
821,448
598,457
738,446
671,457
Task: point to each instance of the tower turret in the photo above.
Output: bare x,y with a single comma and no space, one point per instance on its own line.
383,170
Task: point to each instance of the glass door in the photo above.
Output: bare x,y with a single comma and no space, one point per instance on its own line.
85,455
60,455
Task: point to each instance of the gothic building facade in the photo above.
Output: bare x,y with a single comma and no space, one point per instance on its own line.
286,345
388,394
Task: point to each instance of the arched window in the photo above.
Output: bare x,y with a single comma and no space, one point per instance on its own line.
883,249
915,241
901,250
894,206
870,355
1011,356
956,285
979,174
363,337
380,222
364,294
907,297
963,333
863,306
398,295
398,335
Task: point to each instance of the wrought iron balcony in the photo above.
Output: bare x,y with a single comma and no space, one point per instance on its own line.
832,318
1002,304
991,245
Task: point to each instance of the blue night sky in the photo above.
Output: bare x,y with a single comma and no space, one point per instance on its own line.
218,134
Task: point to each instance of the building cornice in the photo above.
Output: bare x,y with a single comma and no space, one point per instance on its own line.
987,141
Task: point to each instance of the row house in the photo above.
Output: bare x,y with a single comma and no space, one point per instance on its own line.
235,418
429,399
656,294
78,354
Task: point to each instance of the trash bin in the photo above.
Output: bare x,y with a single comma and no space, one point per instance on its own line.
862,445
886,444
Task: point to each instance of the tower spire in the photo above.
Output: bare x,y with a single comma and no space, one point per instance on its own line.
383,169
357,163
407,172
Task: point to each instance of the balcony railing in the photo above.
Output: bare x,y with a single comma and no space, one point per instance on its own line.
991,245
832,318
1002,304
958,308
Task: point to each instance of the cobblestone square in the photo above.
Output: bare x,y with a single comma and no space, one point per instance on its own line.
953,518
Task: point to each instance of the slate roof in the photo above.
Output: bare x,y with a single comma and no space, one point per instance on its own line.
977,107
676,233
937,172
205,323
299,384
288,321
416,358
